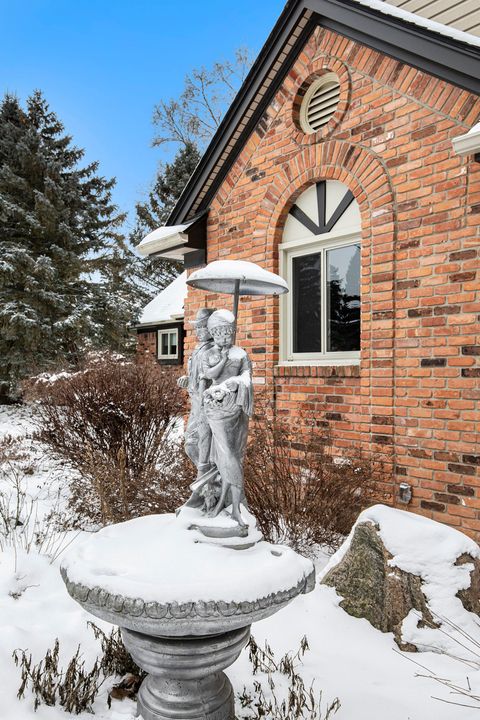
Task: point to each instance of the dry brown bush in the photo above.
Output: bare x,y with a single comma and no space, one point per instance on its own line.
115,422
298,488
75,689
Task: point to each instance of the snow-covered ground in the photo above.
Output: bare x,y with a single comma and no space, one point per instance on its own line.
348,658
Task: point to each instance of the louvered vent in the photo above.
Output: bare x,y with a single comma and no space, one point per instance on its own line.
320,103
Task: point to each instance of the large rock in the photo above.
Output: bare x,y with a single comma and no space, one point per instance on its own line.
371,589
470,597
394,563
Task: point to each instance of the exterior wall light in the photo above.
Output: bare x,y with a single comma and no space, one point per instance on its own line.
405,493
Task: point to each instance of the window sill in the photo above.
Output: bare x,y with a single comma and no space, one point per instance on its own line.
352,370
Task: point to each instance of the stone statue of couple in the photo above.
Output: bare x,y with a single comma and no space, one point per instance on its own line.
219,383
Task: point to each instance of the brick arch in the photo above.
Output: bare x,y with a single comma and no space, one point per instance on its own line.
355,166
363,173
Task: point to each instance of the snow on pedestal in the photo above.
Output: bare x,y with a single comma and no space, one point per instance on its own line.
156,558
184,603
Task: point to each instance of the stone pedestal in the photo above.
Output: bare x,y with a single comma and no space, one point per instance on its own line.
185,604
185,680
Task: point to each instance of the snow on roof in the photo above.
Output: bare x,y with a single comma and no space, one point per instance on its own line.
432,25
167,305
475,129
164,238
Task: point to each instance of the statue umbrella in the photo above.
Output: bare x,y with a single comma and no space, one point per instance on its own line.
237,277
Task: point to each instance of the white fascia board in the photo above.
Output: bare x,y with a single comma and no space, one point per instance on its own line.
468,144
162,241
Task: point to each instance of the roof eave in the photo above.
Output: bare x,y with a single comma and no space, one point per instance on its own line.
468,144
283,29
176,318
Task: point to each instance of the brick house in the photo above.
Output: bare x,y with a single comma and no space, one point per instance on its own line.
335,167
160,331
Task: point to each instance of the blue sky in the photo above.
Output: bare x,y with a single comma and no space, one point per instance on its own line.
103,64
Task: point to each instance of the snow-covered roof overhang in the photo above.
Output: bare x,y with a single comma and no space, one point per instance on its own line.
422,21
167,241
468,144
186,242
167,306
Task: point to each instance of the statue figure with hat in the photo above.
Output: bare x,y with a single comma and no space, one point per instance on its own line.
197,432
228,405
223,389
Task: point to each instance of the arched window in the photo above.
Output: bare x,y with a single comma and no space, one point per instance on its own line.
320,258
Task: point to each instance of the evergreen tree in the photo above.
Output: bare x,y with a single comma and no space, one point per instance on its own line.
58,233
153,273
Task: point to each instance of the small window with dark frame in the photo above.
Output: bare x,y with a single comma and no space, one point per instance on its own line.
168,344
321,255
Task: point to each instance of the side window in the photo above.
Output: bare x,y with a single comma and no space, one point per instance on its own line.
320,258
168,344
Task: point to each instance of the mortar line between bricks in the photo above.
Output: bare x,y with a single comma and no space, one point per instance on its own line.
394,90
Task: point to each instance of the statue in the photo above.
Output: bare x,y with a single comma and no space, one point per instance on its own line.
197,432
226,392
185,599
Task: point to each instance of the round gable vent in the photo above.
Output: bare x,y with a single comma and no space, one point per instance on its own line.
320,103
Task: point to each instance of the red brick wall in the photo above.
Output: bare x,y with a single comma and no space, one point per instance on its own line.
146,345
414,397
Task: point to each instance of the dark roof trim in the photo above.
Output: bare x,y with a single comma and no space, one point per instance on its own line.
269,69
439,55
163,325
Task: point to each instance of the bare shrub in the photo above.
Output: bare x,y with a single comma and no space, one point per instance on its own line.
297,703
12,450
466,654
115,659
15,507
24,526
300,492
115,422
75,688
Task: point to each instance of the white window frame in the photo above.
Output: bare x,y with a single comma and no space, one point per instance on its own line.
167,332
307,246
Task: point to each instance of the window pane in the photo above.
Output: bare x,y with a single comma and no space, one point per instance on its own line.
173,343
343,299
164,344
306,304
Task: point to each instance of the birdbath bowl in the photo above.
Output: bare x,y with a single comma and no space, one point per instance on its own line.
184,603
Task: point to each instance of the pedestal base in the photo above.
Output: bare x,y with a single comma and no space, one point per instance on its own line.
185,681
209,698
